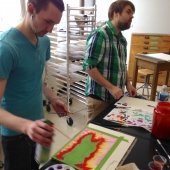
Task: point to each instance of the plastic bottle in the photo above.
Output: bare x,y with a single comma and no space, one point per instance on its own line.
42,153
163,94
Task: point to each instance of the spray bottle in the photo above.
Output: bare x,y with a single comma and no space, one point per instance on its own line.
163,94
42,153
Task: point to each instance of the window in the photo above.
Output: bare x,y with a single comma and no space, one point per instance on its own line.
10,13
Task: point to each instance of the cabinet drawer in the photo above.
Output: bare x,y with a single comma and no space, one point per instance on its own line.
166,39
147,43
145,49
165,45
146,40
165,49
153,40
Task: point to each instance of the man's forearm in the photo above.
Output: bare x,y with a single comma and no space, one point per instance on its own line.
115,91
98,77
127,79
13,122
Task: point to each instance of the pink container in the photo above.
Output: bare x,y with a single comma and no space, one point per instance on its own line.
161,121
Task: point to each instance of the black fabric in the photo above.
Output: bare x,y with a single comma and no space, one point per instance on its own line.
19,153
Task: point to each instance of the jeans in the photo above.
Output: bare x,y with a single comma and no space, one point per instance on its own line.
19,153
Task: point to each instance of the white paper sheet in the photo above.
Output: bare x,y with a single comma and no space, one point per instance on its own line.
160,56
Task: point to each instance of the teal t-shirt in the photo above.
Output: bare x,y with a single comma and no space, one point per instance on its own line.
22,64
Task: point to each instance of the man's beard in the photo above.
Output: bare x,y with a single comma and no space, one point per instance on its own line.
123,26
35,28
38,33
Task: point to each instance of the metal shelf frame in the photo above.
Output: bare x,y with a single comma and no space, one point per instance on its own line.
64,70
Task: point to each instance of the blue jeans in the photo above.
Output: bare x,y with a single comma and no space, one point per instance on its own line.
19,153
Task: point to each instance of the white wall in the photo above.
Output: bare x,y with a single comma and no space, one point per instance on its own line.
151,16
10,13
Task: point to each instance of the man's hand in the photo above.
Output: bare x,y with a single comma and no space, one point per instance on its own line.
116,92
39,132
131,90
59,106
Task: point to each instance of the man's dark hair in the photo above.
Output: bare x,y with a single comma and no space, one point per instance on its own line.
42,4
118,6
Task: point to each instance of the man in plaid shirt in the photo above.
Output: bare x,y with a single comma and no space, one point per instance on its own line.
105,59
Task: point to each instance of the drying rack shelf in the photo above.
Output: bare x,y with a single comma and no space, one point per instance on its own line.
64,70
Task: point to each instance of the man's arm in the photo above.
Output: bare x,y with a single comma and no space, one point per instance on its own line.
98,77
58,105
38,131
131,90
2,87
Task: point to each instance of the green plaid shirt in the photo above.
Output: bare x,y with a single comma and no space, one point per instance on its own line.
107,51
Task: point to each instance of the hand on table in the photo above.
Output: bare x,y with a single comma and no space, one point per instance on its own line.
116,92
131,90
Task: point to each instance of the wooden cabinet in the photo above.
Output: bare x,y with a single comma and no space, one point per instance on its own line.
148,43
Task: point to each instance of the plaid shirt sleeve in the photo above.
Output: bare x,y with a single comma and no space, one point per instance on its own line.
95,49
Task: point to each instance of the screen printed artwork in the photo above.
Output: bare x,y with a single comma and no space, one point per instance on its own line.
95,148
132,112
131,117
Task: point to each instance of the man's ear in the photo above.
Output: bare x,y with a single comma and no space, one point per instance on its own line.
31,8
116,14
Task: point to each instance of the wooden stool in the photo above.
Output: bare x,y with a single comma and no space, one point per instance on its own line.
146,73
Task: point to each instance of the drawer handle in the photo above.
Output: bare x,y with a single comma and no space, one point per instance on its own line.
146,37
146,42
145,52
146,48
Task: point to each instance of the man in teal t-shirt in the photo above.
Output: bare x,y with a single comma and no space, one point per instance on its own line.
22,68
24,51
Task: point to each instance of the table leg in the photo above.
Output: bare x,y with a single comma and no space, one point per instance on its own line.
154,83
135,73
167,78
